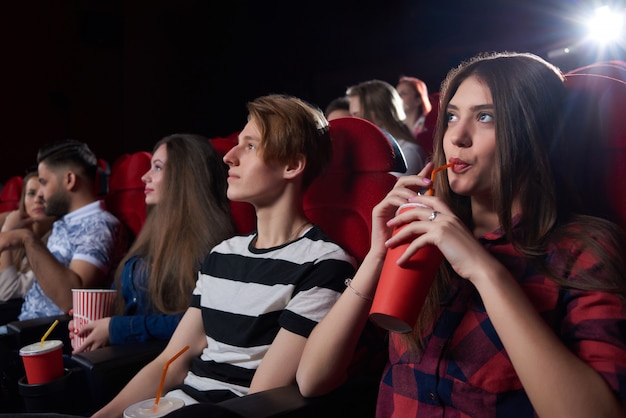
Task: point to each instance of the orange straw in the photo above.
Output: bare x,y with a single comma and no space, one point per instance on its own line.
430,190
158,396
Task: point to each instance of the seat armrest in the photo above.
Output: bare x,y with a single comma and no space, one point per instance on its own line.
283,401
30,331
10,309
356,398
108,369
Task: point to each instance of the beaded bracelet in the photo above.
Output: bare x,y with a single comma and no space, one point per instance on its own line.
348,282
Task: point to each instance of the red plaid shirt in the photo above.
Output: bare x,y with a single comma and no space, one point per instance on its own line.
466,372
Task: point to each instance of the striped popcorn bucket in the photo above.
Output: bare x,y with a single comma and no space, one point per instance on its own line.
89,305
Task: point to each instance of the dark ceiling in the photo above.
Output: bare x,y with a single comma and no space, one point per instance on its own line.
121,74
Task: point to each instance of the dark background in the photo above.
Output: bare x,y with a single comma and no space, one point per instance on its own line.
120,75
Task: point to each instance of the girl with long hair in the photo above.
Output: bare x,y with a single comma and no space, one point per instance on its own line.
380,103
188,214
527,316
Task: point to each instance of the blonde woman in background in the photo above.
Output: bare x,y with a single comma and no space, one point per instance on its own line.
16,275
414,94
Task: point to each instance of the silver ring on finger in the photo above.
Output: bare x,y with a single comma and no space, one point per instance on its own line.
433,215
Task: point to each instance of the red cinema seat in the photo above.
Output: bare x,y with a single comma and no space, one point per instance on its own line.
243,213
126,198
342,199
11,194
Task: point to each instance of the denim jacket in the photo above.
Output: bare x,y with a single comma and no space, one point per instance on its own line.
141,321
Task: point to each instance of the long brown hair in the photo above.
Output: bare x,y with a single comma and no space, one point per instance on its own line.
382,105
192,216
529,98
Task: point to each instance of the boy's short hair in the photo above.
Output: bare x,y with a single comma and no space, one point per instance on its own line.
291,127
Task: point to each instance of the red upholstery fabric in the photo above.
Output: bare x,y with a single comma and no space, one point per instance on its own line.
342,199
223,144
597,129
425,138
126,198
10,194
243,213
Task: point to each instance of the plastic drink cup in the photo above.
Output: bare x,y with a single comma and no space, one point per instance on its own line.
89,305
43,362
401,291
147,408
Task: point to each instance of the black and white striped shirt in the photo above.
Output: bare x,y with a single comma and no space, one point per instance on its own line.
246,295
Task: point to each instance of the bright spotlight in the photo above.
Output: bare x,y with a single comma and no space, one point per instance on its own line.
606,25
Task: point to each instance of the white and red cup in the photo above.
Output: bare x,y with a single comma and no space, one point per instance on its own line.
89,305
145,409
402,291
43,362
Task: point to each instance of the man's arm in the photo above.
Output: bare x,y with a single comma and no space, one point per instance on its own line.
56,280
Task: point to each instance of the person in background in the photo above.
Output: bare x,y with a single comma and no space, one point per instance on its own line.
16,274
86,243
186,181
378,102
257,296
527,316
339,107
416,103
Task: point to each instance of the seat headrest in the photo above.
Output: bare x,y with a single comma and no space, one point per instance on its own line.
359,146
223,144
12,190
127,171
